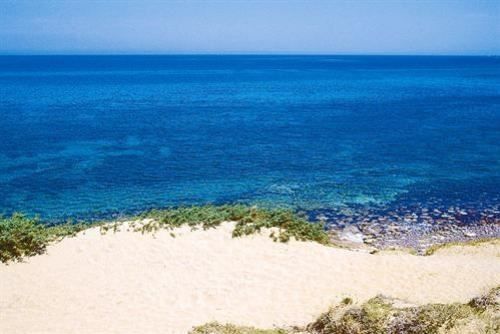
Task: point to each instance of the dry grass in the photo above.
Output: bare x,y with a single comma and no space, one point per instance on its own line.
471,243
216,328
382,315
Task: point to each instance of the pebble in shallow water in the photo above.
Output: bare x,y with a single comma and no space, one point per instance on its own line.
416,227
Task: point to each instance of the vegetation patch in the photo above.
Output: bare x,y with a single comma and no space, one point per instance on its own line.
249,220
371,317
22,236
476,242
216,328
381,315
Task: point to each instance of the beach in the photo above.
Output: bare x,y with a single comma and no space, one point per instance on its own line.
170,281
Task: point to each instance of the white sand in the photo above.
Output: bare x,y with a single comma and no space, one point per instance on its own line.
133,283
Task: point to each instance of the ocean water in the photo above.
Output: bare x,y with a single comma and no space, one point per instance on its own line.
93,136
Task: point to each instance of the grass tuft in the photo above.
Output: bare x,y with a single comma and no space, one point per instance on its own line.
476,242
216,328
380,315
371,317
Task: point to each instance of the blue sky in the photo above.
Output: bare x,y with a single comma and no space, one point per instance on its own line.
318,27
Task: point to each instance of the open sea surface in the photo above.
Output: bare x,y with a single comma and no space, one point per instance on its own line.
99,136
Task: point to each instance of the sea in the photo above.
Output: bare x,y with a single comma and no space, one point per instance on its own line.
348,137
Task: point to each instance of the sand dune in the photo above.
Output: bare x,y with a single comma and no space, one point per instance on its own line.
127,282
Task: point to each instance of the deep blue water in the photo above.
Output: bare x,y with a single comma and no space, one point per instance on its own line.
98,135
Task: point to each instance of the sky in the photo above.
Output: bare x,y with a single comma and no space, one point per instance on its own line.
442,27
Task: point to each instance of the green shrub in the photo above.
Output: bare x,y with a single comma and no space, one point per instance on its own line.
21,236
248,220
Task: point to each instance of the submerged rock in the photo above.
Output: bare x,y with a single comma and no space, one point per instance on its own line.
352,234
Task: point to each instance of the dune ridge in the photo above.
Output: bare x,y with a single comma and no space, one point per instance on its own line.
128,282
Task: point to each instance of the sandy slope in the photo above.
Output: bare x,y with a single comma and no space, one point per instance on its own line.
132,283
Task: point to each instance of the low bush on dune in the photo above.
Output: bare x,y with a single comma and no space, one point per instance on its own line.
381,315
22,236
248,220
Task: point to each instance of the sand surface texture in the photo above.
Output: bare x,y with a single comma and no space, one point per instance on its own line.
127,282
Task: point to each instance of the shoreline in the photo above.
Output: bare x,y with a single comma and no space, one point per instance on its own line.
413,238
409,227
413,226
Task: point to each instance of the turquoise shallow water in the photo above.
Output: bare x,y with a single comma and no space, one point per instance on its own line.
93,136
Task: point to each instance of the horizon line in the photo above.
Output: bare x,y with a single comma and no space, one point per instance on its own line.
256,54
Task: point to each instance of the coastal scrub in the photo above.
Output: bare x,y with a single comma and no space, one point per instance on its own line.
22,236
249,220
